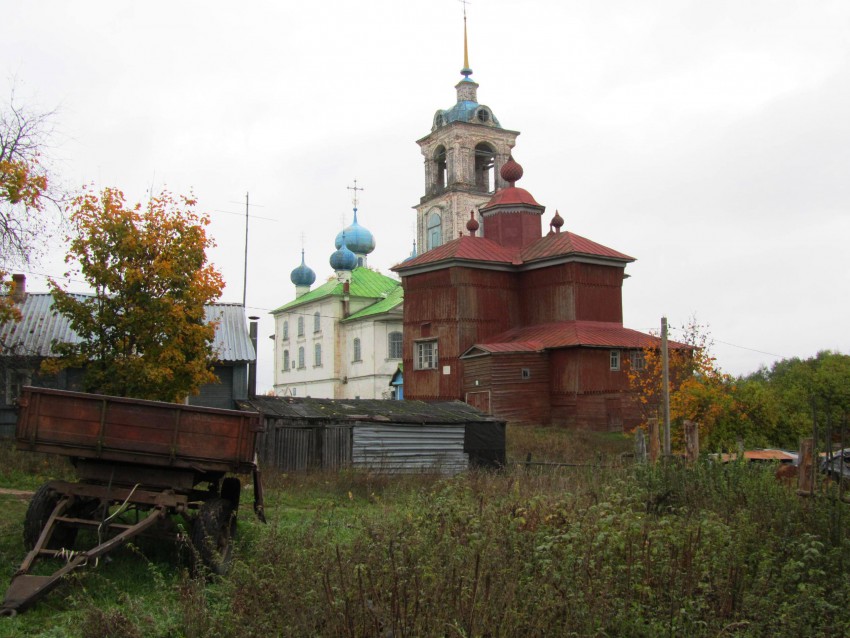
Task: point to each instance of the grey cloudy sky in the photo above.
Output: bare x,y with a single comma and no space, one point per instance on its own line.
710,140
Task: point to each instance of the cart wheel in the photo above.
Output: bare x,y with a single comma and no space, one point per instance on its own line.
231,490
40,508
212,532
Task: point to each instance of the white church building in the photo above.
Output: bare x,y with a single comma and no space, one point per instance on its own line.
343,339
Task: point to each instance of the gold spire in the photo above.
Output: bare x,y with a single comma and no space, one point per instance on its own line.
466,71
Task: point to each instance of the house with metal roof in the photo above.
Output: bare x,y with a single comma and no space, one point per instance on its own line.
25,343
342,339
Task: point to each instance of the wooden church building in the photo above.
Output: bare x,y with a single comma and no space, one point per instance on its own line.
523,325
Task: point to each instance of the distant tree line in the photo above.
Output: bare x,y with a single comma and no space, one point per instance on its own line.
772,407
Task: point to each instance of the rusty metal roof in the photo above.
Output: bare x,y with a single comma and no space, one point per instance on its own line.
369,410
470,250
563,334
41,325
567,243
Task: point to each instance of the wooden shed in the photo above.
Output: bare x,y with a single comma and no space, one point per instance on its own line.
380,435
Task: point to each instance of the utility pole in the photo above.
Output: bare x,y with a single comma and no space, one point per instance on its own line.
665,387
245,268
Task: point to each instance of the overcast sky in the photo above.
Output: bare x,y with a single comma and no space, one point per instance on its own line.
710,140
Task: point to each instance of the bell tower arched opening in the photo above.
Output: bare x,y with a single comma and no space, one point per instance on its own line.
441,169
485,168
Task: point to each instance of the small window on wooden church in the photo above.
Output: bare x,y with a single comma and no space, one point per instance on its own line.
636,360
300,326
285,360
426,355
615,359
526,373
301,357
317,322
357,353
394,345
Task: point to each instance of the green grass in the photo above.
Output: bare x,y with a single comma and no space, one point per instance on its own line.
604,548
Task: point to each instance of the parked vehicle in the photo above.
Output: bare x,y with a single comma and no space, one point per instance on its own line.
143,467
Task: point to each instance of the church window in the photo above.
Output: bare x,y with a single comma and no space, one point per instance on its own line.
615,359
636,360
301,357
317,322
285,330
394,345
300,326
285,360
318,354
357,352
434,230
426,355
485,163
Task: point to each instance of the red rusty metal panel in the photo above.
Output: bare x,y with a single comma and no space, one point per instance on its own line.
136,431
567,243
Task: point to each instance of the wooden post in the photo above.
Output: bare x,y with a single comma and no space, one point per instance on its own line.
805,477
692,441
640,446
665,387
654,444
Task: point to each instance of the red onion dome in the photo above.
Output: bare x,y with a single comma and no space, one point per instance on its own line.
472,225
511,171
557,221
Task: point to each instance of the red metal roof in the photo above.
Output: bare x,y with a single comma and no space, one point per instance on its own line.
567,243
511,195
468,248
564,334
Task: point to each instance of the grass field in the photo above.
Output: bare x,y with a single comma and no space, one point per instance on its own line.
597,548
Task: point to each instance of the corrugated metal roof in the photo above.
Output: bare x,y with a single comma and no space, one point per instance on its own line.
564,334
376,410
364,283
232,341
511,196
41,325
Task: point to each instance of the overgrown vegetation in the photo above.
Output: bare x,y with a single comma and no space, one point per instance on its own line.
590,550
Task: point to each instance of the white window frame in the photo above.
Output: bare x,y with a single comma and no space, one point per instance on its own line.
614,360
286,360
427,355
317,322
285,336
317,355
637,360
395,338
357,354
301,326
301,357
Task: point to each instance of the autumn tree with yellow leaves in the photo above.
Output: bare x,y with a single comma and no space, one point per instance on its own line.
142,332
699,390
23,191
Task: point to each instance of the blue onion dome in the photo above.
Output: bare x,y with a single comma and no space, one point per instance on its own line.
343,258
357,238
303,275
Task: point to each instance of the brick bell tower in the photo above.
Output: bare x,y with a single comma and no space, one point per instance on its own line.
464,154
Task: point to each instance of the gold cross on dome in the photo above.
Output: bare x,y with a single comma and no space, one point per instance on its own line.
354,188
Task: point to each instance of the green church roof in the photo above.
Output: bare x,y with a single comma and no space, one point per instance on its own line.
365,283
393,299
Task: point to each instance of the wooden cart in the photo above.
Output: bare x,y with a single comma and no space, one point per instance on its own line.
143,467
